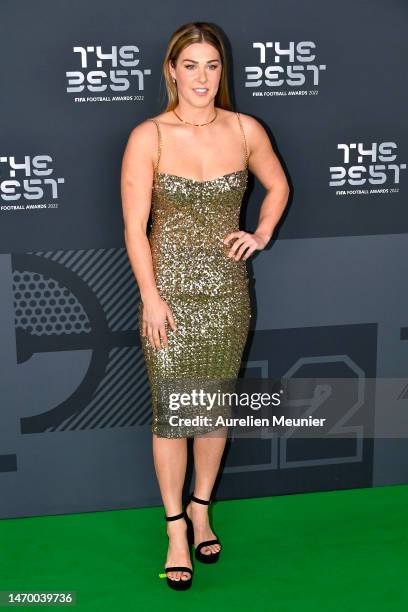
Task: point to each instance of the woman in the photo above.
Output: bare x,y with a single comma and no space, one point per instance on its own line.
191,271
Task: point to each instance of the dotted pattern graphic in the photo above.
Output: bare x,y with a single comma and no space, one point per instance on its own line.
43,307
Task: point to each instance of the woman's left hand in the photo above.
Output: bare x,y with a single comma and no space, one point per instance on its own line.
245,242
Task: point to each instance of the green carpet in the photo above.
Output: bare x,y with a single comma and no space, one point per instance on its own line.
331,551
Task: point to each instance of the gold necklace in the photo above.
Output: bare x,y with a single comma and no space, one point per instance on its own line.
196,124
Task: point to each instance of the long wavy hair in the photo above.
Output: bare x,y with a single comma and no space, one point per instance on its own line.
187,34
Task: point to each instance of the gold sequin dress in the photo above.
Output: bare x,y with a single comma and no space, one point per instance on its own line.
206,290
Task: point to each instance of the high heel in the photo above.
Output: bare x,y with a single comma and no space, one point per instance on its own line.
204,558
178,585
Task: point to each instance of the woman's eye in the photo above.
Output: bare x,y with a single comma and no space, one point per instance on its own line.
212,66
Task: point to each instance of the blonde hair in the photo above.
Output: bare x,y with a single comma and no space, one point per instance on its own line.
187,34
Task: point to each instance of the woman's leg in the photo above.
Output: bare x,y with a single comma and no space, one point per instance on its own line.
170,461
208,451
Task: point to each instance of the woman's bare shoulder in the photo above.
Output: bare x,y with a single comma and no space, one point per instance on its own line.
254,130
145,127
143,135
249,122
142,141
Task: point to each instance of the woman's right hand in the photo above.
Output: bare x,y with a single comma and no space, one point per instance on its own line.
155,314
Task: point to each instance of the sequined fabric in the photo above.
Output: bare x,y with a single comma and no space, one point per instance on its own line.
206,290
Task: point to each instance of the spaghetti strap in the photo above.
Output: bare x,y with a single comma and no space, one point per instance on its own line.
244,140
159,145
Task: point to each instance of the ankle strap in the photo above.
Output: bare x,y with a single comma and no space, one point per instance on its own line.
198,500
175,517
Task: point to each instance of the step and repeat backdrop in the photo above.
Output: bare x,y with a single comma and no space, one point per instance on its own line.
326,80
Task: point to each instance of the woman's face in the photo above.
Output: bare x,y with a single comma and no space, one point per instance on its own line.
198,67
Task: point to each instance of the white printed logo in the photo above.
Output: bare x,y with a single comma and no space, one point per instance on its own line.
27,183
279,69
362,166
113,71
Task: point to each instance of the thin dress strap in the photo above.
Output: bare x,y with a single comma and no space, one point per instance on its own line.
244,140
159,145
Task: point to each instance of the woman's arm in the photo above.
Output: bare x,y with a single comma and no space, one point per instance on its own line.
136,182
136,194
264,163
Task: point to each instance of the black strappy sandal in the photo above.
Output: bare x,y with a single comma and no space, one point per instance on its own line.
178,585
204,558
